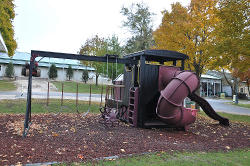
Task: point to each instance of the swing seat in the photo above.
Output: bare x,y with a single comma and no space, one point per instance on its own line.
112,103
108,116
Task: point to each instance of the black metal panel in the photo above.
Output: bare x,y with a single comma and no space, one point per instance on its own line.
128,83
148,92
110,59
159,55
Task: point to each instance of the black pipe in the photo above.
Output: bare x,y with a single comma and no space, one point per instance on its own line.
28,104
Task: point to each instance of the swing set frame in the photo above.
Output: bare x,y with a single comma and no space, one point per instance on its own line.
35,53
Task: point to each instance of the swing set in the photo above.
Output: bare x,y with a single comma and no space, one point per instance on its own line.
34,54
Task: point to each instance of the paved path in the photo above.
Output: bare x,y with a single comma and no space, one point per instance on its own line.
221,105
54,95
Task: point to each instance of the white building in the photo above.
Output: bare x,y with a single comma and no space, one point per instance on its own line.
20,58
3,47
210,85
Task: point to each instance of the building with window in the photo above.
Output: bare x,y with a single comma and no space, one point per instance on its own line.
21,58
210,85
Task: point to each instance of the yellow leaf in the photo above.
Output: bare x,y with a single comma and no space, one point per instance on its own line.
80,156
55,135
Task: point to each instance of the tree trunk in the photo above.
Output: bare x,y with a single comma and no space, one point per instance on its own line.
96,79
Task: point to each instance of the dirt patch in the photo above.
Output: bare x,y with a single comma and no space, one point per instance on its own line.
38,85
68,138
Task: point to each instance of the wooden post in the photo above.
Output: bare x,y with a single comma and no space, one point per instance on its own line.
77,95
62,96
48,95
89,95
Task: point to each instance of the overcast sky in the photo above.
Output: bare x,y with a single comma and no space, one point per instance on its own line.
64,25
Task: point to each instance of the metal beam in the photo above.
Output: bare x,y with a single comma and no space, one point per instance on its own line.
110,58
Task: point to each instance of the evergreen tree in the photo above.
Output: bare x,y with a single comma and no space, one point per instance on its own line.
9,72
52,71
70,72
85,76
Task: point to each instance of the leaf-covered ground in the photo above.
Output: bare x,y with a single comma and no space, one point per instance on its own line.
69,138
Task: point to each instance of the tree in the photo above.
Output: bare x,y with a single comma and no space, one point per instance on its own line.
7,15
52,71
189,30
85,76
114,48
139,22
69,72
9,71
97,46
230,47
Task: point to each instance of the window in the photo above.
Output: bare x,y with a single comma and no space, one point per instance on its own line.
241,90
0,67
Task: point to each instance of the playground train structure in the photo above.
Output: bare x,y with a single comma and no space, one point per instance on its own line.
149,94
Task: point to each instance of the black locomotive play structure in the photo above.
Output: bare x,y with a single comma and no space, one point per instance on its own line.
149,95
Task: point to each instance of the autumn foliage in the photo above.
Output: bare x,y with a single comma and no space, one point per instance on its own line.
188,30
7,15
213,33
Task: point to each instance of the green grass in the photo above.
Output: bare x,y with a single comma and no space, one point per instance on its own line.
231,117
39,106
241,105
82,88
7,85
179,159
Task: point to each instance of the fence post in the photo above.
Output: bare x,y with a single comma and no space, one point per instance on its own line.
77,96
62,96
48,95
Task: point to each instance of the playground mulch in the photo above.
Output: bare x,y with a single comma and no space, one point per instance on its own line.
71,138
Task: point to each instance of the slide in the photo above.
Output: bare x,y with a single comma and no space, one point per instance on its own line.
175,86
208,109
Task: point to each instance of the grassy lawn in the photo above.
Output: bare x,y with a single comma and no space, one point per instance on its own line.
231,117
7,85
241,105
179,159
39,106
82,88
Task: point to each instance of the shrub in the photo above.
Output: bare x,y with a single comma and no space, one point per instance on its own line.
52,71
69,72
9,72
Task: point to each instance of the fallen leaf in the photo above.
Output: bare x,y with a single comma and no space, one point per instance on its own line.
73,129
54,134
122,150
80,156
